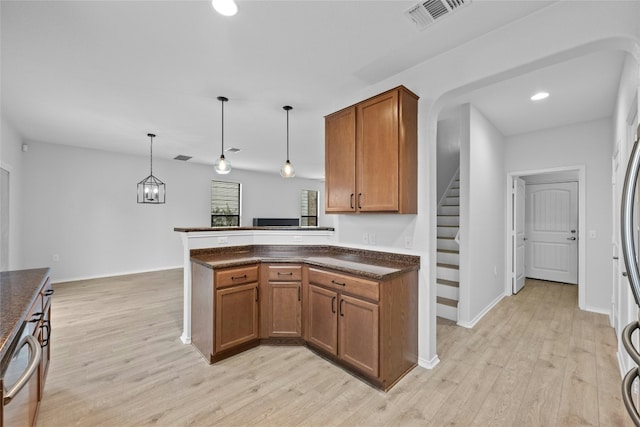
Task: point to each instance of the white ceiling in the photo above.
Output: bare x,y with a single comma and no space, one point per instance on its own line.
102,74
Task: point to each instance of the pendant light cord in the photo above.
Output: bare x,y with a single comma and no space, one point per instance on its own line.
151,156
222,152
287,135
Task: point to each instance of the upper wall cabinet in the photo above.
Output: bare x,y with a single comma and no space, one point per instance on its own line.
371,155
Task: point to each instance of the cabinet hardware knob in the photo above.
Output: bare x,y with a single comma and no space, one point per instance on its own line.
338,283
333,300
341,312
244,276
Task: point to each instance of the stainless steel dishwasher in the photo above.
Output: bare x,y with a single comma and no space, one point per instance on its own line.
19,380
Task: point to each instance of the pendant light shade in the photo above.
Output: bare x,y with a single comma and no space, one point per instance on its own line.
222,165
225,7
151,189
287,170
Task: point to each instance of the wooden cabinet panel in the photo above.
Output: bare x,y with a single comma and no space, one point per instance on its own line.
285,272
285,311
384,132
236,276
343,283
377,153
236,316
359,334
340,161
323,319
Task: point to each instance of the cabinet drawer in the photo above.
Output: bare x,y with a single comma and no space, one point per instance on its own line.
284,273
236,276
353,285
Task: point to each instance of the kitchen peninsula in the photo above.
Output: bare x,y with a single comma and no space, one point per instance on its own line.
355,307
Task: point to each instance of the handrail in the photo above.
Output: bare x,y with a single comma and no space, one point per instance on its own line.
626,224
628,344
627,385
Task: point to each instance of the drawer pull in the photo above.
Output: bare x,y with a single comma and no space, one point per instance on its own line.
47,326
341,312
285,274
359,200
257,294
298,293
244,276
338,283
48,292
333,300
351,200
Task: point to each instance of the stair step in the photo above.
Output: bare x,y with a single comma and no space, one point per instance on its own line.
447,312
447,243
452,200
448,251
448,210
453,192
447,301
448,230
448,283
452,220
448,256
451,266
450,292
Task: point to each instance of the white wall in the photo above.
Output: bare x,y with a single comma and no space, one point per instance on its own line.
82,207
482,183
587,144
448,153
11,160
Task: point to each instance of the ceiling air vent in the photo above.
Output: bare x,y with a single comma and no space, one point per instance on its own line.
427,12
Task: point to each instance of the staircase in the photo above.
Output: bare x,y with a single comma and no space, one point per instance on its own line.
448,261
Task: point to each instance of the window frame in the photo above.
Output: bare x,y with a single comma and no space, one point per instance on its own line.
237,217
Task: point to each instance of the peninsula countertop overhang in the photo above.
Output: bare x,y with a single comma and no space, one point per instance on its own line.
371,264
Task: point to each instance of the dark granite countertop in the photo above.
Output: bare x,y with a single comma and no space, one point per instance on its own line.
291,228
18,291
372,264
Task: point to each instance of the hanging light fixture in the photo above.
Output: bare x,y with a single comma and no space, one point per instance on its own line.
225,7
222,165
287,170
151,189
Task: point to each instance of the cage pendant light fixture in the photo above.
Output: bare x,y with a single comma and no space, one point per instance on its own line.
222,165
287,170
151,189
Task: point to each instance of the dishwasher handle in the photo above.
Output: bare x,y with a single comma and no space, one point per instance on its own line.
32,367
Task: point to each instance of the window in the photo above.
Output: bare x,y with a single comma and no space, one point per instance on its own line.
309,208
225,204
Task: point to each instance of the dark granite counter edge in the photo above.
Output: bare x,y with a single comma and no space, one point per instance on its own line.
290,228
301,254
17,316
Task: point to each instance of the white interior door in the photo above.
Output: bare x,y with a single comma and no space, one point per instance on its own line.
518,235
552,232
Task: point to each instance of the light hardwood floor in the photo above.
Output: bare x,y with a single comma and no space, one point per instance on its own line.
117,360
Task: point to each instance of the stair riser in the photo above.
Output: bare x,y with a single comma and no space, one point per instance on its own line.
452,200
450,292
447,231
453,192
449,210
448,244
448,258
447,312
449,220
448,274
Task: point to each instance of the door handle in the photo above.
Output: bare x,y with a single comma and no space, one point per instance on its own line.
571,238
333,300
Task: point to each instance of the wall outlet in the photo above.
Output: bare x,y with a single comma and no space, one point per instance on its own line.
408,242
297,239
56,257
495,270
223,240
365,238
372,238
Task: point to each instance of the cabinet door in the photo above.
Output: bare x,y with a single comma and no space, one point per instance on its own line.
359,334
378,151
340,161
323,319
285,310
236,316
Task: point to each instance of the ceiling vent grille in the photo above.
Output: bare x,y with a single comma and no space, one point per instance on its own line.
427,12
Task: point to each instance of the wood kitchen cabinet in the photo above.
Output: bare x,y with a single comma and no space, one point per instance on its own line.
282,304
225,310
371,155
369,326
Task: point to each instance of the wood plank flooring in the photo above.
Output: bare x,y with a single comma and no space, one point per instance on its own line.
117,360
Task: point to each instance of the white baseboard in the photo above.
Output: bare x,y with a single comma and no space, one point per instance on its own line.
428,364
598,310
475,320
76,279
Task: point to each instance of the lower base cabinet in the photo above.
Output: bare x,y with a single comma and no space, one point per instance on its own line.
236,316
358,332
322,329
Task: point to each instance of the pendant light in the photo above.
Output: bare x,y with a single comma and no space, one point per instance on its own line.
222,165
225,7
287,170
151,189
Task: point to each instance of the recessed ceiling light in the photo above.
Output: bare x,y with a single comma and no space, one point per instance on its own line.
540,96
225,7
